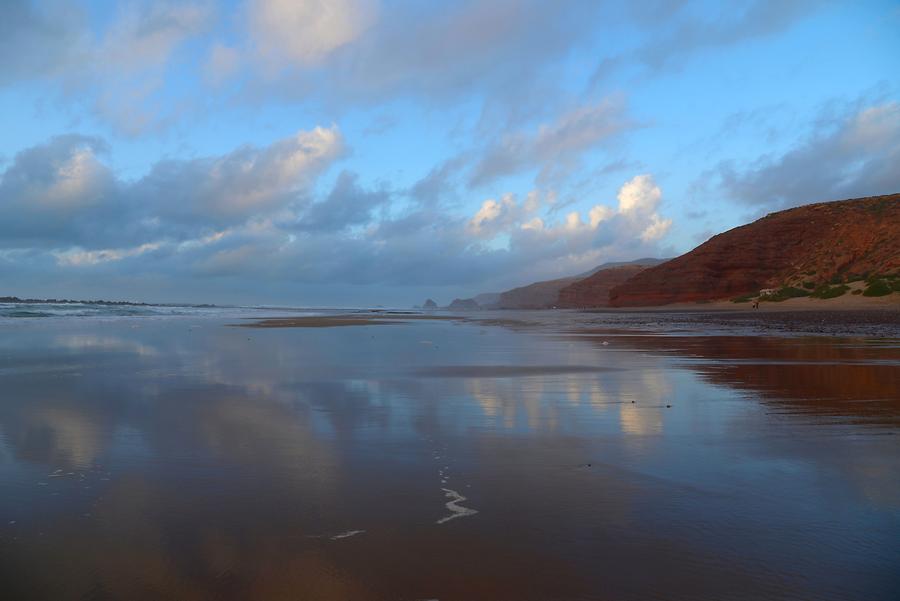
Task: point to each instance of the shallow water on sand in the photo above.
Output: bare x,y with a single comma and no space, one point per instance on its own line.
185,459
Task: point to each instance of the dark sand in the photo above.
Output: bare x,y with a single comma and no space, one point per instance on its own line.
871,322
336,321
561,456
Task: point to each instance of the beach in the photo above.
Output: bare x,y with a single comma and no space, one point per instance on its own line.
685,454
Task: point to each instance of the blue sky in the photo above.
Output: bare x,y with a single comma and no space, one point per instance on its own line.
361,152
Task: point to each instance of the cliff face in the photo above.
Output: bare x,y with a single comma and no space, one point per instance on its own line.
487,300
463,304
813,243
593,291
540,295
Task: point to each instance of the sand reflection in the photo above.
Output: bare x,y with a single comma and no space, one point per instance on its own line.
849,380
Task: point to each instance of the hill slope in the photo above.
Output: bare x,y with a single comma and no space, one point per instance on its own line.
539,295
593,291
546,294
813,243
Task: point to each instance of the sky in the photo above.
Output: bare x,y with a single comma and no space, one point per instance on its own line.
379,152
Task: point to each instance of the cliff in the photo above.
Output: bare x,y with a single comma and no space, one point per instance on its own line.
463,304
540,295
593,291
811,245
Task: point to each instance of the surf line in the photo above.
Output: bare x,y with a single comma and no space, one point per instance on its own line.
347,534
456,510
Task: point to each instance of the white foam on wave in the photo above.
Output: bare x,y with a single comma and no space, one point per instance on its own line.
347,534
453,505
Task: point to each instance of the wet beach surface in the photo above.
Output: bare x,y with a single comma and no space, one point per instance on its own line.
504,456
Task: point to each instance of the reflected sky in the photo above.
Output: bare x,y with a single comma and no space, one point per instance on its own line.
187,459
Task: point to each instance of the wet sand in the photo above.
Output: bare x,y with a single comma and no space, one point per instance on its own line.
552,455
504,371
337,321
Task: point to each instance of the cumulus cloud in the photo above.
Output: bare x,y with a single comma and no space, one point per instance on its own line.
636,216
251,217
493,216
554,147
61,194
573,243
55,190
348,204
62,176
499,216
856,155
640,194
248,181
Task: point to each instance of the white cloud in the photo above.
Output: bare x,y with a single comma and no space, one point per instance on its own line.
855,155
244,182
223,62
489,212
657,229
554,148
123,73
77,257
875,127
686,29
76,181
307,31
60,194
636,215
498,216
573,221
599,214
144,37
534,224
248,216
640,194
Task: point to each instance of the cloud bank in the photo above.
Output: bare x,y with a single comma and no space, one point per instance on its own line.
854,155
253,215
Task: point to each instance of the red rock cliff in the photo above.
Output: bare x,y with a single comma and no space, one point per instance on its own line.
593,291
540,295
810,243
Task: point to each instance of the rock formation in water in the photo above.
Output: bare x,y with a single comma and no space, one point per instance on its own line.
430,304
803,247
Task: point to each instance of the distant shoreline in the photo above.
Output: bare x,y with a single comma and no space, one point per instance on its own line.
67,301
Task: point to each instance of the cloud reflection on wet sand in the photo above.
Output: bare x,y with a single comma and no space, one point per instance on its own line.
235,475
